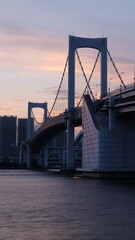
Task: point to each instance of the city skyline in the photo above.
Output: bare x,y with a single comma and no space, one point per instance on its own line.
34,44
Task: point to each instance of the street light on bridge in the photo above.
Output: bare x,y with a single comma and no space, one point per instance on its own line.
96,90
122,79
109,89
134,76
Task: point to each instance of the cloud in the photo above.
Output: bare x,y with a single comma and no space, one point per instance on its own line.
10,28
5,109
30,50
53,91
27,48
62,97
19,100
124,60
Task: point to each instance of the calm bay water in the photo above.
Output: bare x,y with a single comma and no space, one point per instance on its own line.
42,206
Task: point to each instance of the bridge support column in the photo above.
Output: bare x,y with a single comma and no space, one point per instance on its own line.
45,156
28,165
29,132
103,51
71,90
70,143
23,154
111,113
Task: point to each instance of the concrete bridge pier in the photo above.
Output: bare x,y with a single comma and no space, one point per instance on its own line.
70,142
111,113
71,90
28,163
45,156
23,154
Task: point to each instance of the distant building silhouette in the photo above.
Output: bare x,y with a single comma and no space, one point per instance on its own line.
7,135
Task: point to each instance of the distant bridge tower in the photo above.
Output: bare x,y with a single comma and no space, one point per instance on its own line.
74,43
30,106
29,127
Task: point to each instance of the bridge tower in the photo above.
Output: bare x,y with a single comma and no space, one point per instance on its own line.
29,125
75,43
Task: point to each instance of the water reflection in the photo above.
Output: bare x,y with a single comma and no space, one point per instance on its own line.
47,206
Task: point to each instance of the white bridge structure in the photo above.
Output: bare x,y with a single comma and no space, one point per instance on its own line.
108,124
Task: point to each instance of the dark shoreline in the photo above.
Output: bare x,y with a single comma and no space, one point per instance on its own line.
75,173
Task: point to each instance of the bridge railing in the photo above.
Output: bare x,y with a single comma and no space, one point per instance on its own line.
121,89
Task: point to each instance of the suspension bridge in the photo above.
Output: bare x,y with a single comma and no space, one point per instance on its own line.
107,122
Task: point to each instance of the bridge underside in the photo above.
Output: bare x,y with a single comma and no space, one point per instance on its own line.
48,132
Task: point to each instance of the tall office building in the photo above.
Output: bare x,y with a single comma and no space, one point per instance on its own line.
7,134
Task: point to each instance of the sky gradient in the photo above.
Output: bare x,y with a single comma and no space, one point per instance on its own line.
34,44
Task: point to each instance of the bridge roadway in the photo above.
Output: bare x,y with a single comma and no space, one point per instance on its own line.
55,125
124,102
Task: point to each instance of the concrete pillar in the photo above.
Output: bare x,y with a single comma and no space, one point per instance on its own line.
64,159
45,156
28,162
29,122
28,165
45,111
111,113
104,68
71,90
21,154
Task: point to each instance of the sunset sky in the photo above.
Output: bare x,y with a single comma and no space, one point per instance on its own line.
34,44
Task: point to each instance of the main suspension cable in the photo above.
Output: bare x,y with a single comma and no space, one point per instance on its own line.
40,123
59,86
116,69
